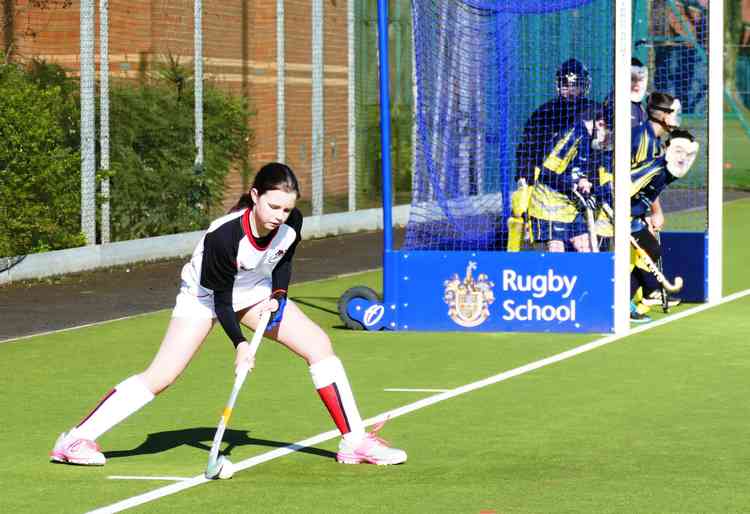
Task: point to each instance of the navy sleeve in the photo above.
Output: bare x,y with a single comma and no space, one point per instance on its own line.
282,273
218,272
220,248
527,148
227,317
641,202
640,205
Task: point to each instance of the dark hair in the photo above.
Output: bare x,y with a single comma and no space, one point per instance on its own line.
680,133
658,101
634,61
273,176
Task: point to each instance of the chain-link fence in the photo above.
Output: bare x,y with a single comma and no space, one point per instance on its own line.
303,77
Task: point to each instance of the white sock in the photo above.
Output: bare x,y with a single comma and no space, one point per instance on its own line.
126,398
333,386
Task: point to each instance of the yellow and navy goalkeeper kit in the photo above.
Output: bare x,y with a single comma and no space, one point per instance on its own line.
547,123
554,214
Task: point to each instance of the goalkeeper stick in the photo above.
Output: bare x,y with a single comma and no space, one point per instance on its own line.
653,268
660,265
214,461
587,203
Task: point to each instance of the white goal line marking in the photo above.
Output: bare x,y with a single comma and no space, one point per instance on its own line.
161,492
126,477
408,390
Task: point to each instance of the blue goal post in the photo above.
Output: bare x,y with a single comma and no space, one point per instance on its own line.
521,140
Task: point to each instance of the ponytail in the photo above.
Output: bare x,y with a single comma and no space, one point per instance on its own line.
272,176
245,201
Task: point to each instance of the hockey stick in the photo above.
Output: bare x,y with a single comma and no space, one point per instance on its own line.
660,265
653,268
215,462
587,203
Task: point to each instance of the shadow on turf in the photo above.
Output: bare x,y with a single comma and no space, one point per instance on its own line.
304,300
201,438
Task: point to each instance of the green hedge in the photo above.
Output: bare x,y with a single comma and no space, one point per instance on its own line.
154,186
40,186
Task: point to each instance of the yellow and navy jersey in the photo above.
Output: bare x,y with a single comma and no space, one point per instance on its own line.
545,125
645,146
638,115
647,182
570,160
603,178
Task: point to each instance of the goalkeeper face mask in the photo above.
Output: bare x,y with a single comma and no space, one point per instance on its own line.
638,81
680,156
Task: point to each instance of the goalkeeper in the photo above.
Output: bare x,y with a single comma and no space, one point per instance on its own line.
571,165
648,181
572,85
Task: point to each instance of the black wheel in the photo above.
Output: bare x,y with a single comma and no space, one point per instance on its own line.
355,292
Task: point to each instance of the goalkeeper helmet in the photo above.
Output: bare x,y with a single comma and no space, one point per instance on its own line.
572,79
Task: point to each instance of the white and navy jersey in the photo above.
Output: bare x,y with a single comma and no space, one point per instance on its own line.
240,270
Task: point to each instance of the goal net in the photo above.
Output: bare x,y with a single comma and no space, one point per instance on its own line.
482,70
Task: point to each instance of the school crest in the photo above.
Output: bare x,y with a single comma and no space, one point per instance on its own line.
468,299
276,255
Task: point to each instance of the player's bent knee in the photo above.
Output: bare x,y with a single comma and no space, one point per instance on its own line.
157,382
320,348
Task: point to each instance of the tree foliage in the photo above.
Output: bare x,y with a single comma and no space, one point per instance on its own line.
155,187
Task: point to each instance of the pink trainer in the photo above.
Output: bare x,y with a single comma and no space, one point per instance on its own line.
372,449
83,452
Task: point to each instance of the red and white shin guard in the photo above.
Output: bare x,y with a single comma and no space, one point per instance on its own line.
332,384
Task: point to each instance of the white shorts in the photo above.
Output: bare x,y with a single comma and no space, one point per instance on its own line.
191,306
188,305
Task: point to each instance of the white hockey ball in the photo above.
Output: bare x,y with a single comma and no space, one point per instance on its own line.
227,470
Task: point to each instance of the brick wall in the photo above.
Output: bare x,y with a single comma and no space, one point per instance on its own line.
239,48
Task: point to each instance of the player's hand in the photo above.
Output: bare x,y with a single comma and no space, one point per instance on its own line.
655,221
244,355
268,305
584,186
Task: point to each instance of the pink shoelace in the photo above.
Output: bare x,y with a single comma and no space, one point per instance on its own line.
373,434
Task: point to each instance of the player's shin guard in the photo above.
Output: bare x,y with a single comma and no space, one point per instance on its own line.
122,401
333,387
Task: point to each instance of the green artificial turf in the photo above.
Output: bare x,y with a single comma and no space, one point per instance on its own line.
651,423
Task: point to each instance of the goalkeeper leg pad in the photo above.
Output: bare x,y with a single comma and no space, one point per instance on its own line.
515,233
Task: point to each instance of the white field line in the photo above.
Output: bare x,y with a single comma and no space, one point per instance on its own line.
68,329
126,477
408,390
161,492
